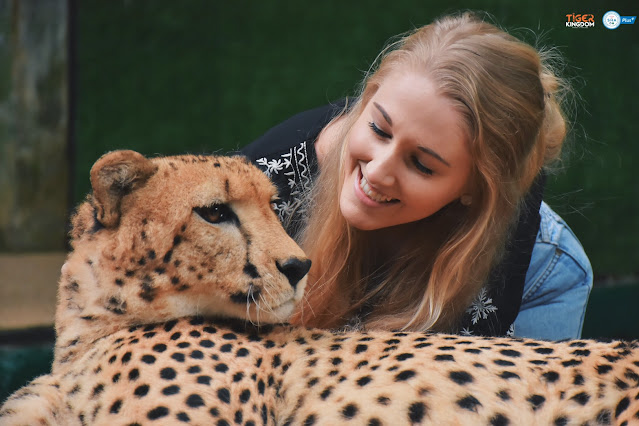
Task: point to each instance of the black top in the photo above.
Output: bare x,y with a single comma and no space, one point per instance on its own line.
286,153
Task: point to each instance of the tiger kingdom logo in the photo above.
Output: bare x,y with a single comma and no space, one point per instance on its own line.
579,20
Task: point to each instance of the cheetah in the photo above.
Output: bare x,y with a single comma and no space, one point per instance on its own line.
172,306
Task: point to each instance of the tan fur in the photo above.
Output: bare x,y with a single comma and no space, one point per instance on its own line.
144,358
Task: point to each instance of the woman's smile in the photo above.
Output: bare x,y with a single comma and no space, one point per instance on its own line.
369,195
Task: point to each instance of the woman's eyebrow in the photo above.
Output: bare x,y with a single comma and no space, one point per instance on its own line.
434,154
384,113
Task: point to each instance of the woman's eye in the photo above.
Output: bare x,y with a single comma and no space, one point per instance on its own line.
216,213
419,166
378,131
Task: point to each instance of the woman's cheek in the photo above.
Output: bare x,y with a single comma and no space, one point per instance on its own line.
358,147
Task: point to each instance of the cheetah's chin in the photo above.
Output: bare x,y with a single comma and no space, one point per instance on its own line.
284,311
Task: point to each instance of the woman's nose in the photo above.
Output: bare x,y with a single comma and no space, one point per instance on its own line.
381,169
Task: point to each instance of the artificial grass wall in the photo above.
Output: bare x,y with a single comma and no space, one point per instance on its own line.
166,77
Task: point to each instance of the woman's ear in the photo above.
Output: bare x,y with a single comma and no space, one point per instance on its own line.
115,175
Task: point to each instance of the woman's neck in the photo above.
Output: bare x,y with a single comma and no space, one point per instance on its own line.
388,245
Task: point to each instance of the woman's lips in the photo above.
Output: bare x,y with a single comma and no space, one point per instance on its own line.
364,190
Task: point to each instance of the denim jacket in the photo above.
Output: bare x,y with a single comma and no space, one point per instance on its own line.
558,283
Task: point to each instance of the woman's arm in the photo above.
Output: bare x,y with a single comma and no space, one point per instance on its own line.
558,283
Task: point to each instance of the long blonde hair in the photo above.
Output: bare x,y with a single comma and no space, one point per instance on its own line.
510,103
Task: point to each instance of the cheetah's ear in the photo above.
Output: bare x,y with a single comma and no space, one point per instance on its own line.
115,175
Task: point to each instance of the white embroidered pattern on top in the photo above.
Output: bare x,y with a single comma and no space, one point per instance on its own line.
481,307
291,167
465,332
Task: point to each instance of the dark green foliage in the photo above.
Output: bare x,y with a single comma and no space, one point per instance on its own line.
210,76
612,312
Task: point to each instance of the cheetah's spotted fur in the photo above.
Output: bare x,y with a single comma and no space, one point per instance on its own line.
151,358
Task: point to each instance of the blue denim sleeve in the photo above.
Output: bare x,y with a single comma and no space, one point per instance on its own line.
558,283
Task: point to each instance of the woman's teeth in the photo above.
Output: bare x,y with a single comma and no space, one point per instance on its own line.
371,193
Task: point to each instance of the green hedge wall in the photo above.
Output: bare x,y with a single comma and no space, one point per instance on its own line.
164,77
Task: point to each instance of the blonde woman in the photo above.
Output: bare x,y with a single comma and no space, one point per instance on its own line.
420,200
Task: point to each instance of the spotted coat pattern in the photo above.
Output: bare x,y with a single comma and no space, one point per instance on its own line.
117,363
223,372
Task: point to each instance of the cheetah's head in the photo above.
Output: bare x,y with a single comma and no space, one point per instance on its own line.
178,236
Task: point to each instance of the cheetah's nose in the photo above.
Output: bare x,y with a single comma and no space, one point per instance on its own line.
294,269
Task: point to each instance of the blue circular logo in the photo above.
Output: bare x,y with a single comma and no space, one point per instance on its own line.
611,20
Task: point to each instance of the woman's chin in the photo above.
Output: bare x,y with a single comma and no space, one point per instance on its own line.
357,219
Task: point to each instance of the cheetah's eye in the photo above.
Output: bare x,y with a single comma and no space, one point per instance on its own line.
216,213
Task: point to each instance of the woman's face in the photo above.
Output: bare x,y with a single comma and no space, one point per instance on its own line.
407,155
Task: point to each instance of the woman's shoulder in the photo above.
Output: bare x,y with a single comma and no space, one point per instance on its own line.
286,154
302,127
